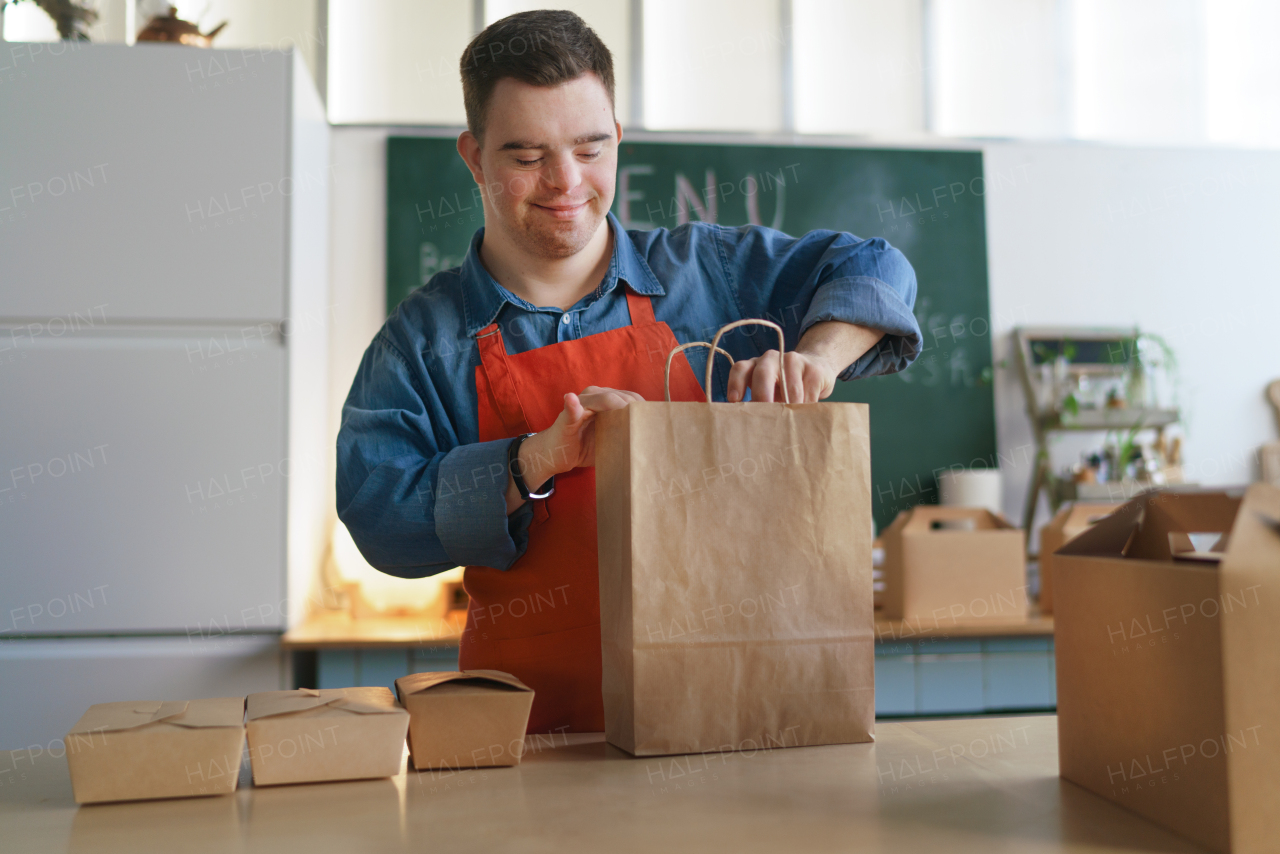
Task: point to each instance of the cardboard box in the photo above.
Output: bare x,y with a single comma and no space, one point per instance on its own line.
1071,521
308,736
1167,639
149,749
467,719
947,565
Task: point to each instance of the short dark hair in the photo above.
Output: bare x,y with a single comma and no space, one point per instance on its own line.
543,48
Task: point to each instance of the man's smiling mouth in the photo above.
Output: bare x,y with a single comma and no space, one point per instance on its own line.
563,211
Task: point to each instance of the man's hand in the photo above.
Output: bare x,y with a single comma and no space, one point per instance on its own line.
568,443
827,348
809,379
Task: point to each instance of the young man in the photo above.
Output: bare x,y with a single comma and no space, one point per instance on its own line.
467,438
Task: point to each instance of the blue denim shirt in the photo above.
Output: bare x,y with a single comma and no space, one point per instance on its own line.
418,490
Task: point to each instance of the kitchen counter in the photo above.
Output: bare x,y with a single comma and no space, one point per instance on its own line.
983,784
1034,624
922,666
337,630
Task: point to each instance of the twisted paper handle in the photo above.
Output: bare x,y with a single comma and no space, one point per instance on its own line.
666,377
711,362
782,346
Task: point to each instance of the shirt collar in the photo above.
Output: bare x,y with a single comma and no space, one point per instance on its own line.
483,298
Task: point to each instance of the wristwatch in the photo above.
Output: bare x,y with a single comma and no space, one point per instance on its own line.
513,466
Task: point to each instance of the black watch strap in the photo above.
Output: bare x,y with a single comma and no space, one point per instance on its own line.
513,466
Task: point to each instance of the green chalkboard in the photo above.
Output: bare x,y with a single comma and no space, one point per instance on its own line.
937,414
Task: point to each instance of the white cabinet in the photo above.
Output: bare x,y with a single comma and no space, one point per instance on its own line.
138,180
145,470
72,675
163,326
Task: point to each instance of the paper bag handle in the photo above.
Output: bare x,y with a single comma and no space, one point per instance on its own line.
782,347
666,377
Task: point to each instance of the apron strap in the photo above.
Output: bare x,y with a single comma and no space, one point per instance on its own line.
641,309
502,384
497,368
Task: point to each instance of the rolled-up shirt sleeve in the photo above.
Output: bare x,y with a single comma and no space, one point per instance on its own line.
471,507
416,500
827,275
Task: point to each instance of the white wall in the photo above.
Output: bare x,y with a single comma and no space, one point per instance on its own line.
396,60
357,262
1177,241
713,65
997,68
879,45
310,451
1180,242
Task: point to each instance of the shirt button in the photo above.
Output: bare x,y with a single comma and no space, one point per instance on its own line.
564,318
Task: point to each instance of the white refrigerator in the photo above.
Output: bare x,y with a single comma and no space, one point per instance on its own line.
163,327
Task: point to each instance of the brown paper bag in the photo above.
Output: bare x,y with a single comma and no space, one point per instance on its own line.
1168,701
735,574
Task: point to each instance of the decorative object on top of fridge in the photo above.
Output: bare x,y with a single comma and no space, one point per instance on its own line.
71,18
171,28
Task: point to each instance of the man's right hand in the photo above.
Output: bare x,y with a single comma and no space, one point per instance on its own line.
568,443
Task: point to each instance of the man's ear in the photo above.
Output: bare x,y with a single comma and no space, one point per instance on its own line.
618,126
469,151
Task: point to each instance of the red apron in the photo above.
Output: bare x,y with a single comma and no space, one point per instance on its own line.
540,620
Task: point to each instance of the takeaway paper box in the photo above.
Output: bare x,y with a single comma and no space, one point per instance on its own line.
945,565
466,719
1069,522
309,736
148,749
1168,701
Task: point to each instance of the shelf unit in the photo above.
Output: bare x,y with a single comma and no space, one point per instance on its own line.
1097,361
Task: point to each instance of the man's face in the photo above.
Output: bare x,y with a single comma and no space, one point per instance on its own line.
549,160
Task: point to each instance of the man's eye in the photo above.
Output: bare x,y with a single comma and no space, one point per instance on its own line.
528,162
590,155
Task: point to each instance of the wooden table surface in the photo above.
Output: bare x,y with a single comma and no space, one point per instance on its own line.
982,784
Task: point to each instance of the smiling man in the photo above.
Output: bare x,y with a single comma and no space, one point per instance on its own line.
467,437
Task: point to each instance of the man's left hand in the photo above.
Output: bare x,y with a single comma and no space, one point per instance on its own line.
825,349
809,378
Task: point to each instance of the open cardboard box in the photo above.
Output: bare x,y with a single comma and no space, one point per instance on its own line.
1070,522
465,719
308,736
947,565
1167,640
150,749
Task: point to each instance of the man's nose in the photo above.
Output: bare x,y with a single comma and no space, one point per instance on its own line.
564,174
